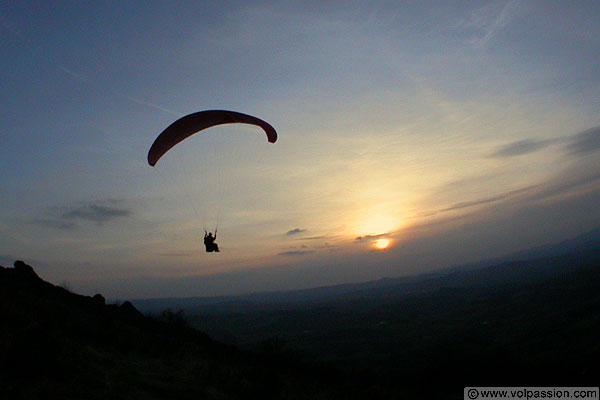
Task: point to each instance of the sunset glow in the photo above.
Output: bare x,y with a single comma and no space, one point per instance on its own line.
377,224
382,244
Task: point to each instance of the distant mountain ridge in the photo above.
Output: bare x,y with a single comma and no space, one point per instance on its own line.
585,241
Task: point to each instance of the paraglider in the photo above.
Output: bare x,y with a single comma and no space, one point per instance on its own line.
196,122
209,242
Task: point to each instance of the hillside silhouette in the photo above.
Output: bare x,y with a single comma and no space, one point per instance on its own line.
60,345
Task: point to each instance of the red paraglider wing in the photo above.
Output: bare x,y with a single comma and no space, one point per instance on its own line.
193,123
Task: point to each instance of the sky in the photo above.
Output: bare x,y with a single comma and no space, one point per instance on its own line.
456,130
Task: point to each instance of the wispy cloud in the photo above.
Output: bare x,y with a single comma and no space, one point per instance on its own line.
521,147
568,183
99,212
584,143
487,200
580,144
490,22
295,253
584,176
472,203
359,238
314,238
295,231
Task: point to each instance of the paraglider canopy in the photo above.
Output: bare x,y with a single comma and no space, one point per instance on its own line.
196,122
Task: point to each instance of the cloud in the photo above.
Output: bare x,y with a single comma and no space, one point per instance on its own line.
314,238
295,253
584,143
569,183
99,212
581,177
295,231
427,213
487,200
580,144
370,236
521,147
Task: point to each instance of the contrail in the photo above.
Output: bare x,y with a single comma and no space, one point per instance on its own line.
500,22
148,104
37,51
73,74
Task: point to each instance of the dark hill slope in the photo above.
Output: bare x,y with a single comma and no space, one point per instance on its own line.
57,344
532,323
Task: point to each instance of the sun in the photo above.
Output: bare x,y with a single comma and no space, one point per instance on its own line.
382,243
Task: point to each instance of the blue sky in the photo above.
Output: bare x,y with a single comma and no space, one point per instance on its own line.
457,130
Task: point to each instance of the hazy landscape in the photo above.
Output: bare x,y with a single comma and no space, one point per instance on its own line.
524,320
